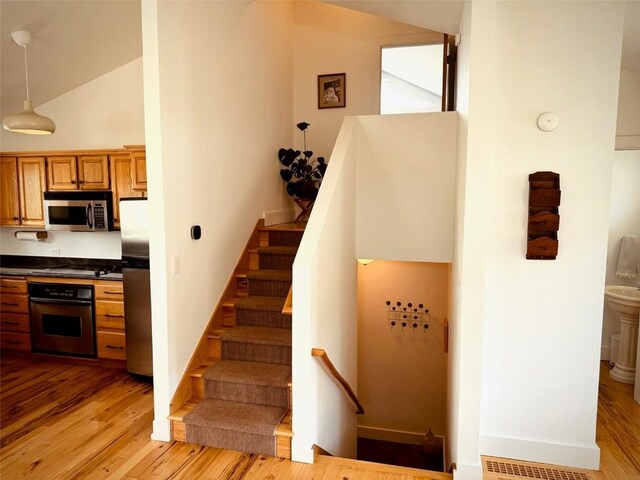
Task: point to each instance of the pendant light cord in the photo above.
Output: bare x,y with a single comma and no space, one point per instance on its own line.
26,71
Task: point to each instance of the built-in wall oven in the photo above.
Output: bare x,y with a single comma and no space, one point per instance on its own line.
62,319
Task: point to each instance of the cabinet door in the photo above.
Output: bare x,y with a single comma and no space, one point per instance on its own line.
62,173
121,183
139,170
9,203
93,172
31,178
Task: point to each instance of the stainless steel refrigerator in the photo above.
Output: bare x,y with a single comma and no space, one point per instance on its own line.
134,228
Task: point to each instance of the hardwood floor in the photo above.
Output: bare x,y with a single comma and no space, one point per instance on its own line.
65,421
618,430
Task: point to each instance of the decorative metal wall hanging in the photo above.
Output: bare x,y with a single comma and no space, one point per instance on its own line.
408,316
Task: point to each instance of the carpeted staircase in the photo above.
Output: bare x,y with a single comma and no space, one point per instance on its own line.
246,393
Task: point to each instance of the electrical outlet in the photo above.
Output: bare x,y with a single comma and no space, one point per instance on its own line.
176,264
55,251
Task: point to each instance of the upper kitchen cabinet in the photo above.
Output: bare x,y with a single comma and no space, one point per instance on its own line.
31,186
9,203
22,182
121,182
81,172
138,166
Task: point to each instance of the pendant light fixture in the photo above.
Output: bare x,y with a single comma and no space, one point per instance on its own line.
27,121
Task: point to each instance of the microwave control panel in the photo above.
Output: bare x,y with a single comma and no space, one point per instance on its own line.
99,217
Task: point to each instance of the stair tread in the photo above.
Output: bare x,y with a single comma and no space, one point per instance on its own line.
258,335
241,417
285,227
278,250
259,302
270,274
250,373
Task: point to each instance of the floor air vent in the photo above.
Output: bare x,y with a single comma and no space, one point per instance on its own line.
531,470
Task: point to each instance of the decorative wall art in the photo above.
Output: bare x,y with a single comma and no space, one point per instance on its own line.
332,91
544,218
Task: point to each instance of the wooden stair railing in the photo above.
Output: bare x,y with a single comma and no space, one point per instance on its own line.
322,355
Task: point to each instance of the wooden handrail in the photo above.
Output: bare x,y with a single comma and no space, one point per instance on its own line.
287,309
320,353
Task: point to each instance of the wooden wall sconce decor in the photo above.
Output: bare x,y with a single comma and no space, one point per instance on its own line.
544,219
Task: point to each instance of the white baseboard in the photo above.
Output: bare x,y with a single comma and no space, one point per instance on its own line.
161,430
581,456
467,472
388,435
276,217
605,352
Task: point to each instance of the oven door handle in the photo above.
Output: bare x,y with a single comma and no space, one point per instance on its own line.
60,302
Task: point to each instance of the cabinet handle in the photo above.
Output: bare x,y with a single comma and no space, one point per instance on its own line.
113,316
73,182
109,293
15,218
7,322
81,181
9,286
11,304
115,347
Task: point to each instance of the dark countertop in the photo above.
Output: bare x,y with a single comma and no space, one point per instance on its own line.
60,267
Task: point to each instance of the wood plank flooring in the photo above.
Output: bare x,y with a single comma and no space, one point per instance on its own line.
66,421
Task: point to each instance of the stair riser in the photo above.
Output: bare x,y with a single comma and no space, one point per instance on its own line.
269,288
284,239
261,318
276,262
256,353
255,394
232,440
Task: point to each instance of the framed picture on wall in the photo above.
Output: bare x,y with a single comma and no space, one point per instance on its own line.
332,91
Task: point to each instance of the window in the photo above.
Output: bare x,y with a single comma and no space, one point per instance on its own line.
411,79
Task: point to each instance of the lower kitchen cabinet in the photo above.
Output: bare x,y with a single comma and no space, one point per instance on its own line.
14,314
110,320
111,345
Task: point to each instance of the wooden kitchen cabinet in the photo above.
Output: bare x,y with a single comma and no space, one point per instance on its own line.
110,320
9,196
62,173
14,314
121,183
31,186
93,172
22,182
138,167
78,172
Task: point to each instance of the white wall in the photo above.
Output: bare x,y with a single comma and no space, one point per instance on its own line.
329,39
401,372
217,126
542,319
628,125
405,187
325,311
69,244
624,219
104,113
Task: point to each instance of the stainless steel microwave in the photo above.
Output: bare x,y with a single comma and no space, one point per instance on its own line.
78,211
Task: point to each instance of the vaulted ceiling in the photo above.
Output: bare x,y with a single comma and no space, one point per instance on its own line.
76,41
73,42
